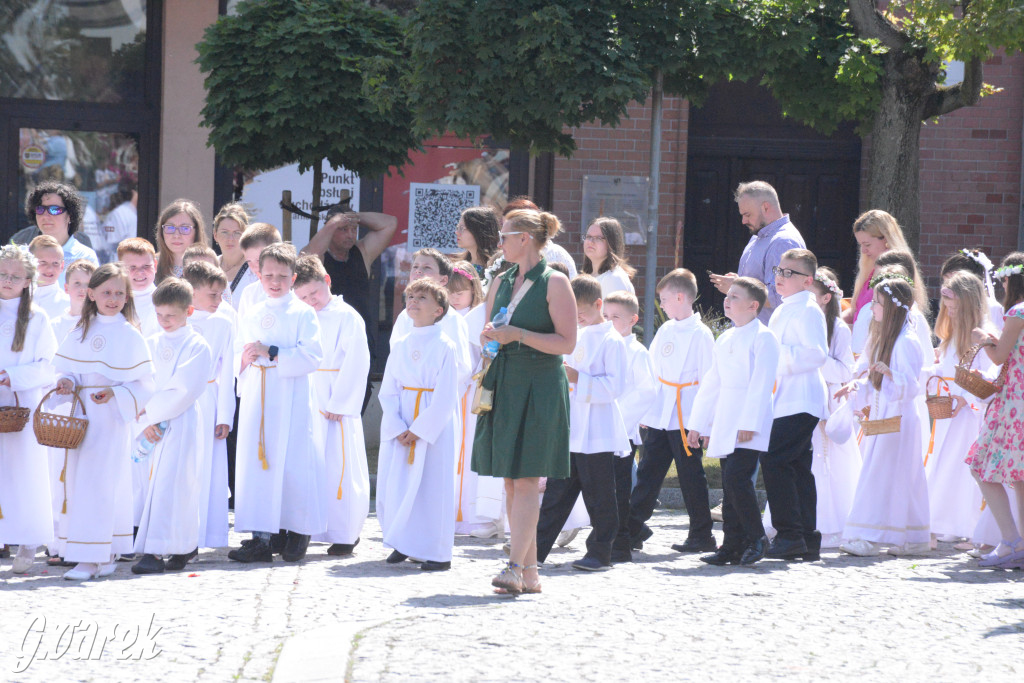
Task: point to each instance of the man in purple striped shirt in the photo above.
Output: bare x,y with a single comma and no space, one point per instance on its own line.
772,235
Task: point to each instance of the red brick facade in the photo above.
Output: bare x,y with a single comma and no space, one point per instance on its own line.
970,173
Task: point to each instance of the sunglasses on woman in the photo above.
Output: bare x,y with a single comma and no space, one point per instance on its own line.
51,209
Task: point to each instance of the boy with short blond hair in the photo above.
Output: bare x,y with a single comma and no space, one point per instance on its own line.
338,398
623,311
733,406
279,472
597,436
49,294
416,469
800,401
255,239
200,252
218,401
681,356
182,363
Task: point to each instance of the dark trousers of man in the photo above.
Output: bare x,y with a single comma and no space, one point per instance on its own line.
661,447
741,515
623,487
593,475
788,481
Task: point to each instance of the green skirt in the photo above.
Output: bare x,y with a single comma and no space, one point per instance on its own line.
526,433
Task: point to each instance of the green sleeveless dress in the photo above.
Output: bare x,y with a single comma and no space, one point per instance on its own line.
526,433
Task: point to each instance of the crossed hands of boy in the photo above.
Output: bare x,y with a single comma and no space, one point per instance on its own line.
252,351
65,386
407,438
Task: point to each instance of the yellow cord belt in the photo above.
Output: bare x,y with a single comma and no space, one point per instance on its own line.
679,408
343,457
462,455
263,410
415,413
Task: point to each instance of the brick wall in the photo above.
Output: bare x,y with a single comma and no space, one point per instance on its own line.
971,172
626,151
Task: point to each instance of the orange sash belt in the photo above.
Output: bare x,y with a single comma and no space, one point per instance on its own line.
415,413
462,456
679,408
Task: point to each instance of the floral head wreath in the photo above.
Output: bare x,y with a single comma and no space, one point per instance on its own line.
492,269
982,260
888,290
1007,271
830,285
20,252
890,276
463,272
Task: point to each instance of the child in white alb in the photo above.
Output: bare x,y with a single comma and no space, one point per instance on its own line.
49,295
213,319
597,433
416,468
338,398
175,422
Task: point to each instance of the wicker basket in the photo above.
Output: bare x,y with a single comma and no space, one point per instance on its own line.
939,407
888,425
13,418
974,383
60,431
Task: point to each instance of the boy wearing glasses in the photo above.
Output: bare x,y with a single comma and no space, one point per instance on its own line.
49,295
800,401
279,472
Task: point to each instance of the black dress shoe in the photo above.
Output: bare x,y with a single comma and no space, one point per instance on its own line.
620,556
755,551
694,545
783,549
431,566
176,562
256,550
295,548
637,542
149,564
813,541
395,557
342,549
723,556
278,542
591,564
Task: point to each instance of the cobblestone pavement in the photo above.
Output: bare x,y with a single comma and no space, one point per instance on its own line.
664,617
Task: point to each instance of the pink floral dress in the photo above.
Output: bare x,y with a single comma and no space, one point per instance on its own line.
998,454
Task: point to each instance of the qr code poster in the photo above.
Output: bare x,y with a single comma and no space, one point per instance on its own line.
434,212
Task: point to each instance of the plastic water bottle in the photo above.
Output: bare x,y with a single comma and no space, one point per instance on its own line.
490,349
145,448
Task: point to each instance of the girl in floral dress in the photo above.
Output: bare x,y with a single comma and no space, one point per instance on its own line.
998,456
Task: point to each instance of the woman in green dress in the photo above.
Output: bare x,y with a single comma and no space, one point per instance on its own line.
526,434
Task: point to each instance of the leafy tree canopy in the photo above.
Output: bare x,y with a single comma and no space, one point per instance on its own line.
302,80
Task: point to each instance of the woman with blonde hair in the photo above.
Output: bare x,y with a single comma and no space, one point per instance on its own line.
876,231
525,435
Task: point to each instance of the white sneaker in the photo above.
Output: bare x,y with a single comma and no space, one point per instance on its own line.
860,548
910,549
565,537
492,530
24,559
716,513
83,571
949,538
106,569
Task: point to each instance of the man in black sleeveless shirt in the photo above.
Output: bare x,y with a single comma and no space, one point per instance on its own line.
347,259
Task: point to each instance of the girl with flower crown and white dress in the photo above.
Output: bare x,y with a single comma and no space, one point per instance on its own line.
997,458
27,345
890,505
479,501
963,308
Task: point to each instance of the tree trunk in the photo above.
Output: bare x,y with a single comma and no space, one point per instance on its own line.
318,178
895,143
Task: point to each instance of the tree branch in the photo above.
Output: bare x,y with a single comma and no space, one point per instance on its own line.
870,23
964,94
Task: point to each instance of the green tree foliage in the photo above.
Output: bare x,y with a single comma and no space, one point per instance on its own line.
521,71
303,80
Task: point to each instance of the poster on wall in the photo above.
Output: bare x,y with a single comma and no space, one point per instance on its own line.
262,196
620,197
434,212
